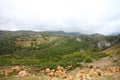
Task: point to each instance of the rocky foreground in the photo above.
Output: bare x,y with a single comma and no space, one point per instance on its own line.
60,73
103,69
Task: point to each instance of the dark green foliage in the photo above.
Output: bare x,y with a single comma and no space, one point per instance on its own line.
7,46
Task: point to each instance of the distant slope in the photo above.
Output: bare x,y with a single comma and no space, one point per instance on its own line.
112,49
16,33
61,33
28,32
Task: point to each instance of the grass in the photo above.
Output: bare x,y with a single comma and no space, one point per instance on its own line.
109,77
65,60
25,78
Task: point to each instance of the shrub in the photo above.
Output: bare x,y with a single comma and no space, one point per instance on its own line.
118,52
110,55
88,59
101,55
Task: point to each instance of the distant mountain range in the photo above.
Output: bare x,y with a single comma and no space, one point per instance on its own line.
115,33
61,33
23,32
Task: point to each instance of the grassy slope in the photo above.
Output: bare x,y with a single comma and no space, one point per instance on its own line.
113,49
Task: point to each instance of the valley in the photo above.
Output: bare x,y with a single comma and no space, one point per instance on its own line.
34,53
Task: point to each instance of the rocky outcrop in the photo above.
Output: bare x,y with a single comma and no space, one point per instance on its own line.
24,73
103,44
79,39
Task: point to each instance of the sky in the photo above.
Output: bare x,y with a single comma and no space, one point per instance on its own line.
84,16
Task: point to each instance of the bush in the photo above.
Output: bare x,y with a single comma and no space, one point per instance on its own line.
110,55
101,55
118,52
88,59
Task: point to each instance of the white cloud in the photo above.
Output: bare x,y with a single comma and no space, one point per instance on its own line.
86,16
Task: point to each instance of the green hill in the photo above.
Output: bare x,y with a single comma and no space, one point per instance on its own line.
50,49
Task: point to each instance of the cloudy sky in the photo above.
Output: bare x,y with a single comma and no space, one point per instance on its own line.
85,16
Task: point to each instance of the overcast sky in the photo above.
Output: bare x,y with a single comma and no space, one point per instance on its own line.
85,16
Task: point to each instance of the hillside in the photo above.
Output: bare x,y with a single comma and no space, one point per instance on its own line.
41,50
112,49
106,68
